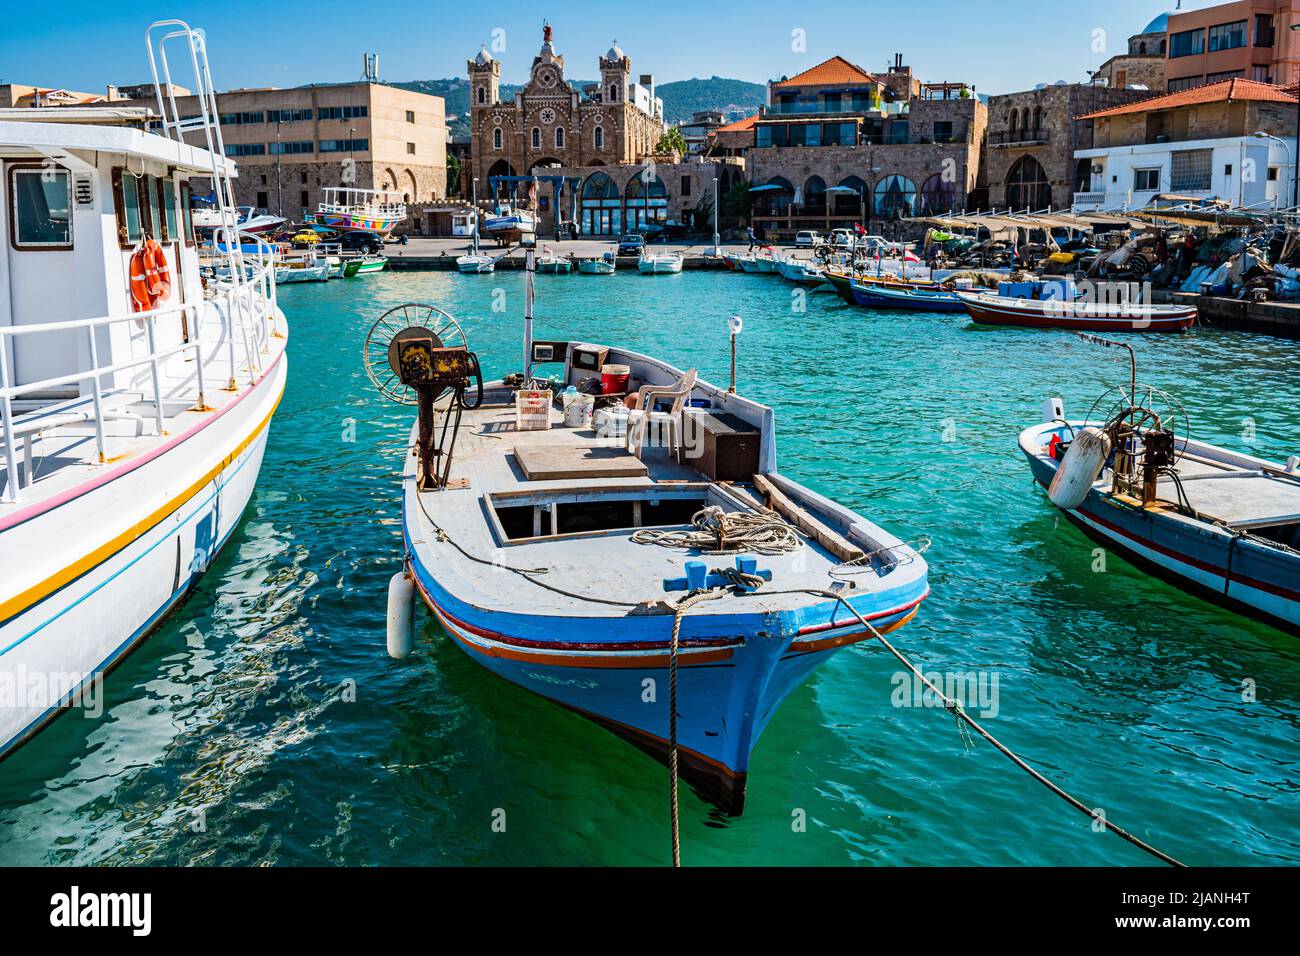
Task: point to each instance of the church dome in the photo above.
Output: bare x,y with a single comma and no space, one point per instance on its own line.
1159,25
484,58
614,53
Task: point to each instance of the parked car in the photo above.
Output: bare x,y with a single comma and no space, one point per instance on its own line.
664,231
365,242
631,244
807,238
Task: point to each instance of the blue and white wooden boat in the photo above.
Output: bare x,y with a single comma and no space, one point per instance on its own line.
509,220
526,555
881,296
132,436
1219,524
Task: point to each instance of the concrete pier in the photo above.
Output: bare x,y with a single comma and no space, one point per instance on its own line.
1271,318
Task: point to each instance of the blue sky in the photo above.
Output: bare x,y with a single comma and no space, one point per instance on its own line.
999,47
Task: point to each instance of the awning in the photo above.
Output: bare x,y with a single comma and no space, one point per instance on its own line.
767,188
844,189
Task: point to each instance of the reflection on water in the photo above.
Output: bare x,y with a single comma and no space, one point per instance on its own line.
264,723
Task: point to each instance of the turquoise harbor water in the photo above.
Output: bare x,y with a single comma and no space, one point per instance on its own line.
264,722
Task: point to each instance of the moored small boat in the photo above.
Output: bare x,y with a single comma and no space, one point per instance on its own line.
1217,523
475,263
626,529
554,265
879,296
364,265
659,263
287,272
1078,314
801,271
604,266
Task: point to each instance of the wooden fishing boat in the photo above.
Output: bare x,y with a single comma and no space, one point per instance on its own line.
842,282
1076,314
554,265
604,266
344,209
883,296
1219,524
364,265
558,557
801,271
475,263
659,263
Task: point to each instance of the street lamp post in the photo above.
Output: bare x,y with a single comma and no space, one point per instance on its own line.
1260,134
716,211
1295,179
279,183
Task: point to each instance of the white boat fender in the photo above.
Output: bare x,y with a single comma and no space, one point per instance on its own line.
401,612
1079,469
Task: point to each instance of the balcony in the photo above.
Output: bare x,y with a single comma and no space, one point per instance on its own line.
1089,200
1019,137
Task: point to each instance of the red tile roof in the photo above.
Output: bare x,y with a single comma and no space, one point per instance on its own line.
1226,91
835,70
739,126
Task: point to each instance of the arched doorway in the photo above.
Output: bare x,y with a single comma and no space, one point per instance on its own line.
814,196
647,201
895,197
1027,185
938,196
850,196
775,198
601,212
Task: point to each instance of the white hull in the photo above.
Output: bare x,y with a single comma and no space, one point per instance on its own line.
194,492
319,272
659,265
475,264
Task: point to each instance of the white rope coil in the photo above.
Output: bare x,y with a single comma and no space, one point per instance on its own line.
717,532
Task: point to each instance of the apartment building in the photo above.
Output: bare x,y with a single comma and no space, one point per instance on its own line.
292,143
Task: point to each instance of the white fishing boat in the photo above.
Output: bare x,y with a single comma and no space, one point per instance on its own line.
801,271
604,266
318,271
659,263
587,567
475,262
135,402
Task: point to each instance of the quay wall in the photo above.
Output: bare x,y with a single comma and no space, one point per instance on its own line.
1271,318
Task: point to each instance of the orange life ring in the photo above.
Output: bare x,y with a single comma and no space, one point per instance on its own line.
141,300
156,272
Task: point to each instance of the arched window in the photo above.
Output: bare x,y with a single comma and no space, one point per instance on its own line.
482,94
600,137
776,199
814,196
1027,185
1038,118
938,196
1142,47
537,137
1024,119
850,203
646,201
895,197
1014,123
559,137
602,213
496,138
613,92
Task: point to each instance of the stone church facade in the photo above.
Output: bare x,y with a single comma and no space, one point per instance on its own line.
549,124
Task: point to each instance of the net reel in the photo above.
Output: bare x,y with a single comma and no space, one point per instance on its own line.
418,355
1148,430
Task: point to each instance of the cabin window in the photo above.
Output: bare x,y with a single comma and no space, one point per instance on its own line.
187,218
169,211
41,209
153,204
126,197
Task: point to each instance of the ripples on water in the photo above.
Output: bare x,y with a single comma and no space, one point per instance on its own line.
264,723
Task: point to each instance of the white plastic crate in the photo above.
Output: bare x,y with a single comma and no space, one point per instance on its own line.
532,409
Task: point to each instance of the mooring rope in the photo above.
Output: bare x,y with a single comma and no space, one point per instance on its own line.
695,597
719,531
954,707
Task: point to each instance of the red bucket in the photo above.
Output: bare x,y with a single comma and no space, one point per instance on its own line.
613,379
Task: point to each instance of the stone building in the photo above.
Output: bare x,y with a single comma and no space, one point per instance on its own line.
550,124
1032,139
838,146
292,143
733,140
1142,64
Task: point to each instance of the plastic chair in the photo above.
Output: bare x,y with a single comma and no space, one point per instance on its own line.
643,412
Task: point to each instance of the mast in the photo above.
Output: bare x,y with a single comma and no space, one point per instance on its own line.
529,268
474,193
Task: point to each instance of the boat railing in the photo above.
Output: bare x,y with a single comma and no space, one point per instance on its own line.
16,429
377,210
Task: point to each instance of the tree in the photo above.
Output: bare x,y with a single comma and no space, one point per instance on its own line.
737,201
453,175
672,140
